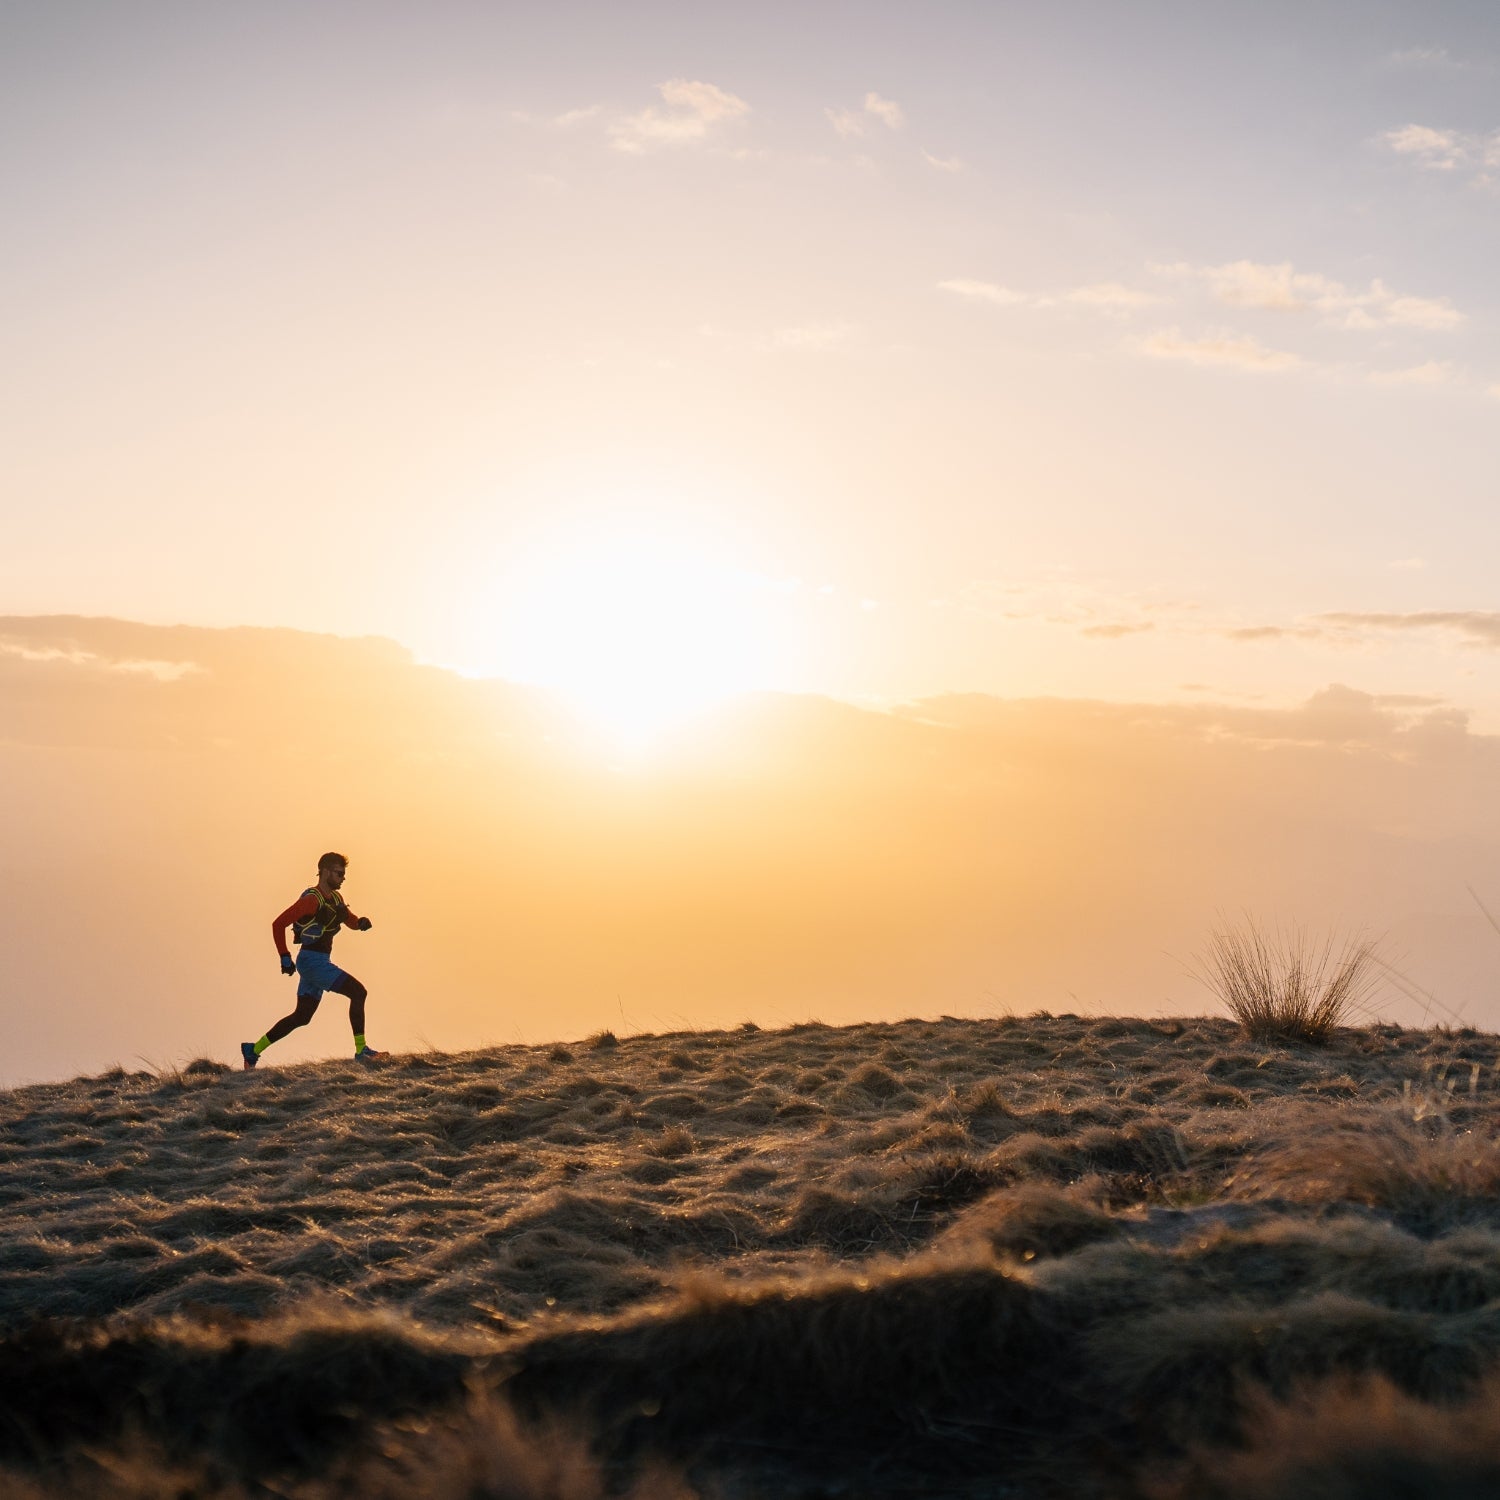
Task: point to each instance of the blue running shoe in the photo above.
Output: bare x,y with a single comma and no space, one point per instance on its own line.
369,1055
251,1056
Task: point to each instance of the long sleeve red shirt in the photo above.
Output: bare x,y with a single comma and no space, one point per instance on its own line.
306,905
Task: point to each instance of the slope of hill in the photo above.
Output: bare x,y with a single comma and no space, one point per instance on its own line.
1019,1257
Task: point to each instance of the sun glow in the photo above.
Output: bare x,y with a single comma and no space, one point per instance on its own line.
638,629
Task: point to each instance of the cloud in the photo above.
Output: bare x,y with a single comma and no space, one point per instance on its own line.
1437,150
885,110
1434,372
1280,287
1106,297
693,110
1454,151
76,656
1241,352
942,164
846,122
849,123
811,337
1115,631
1110,296
1249,634
1424,57
1479,627
1097,610
984,291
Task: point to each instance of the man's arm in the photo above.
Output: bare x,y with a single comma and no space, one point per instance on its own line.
303,906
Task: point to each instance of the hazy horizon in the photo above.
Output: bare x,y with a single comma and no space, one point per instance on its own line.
782,858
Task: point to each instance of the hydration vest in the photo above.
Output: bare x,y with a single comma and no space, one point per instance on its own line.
324,922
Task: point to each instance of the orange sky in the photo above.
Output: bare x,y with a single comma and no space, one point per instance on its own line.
166,792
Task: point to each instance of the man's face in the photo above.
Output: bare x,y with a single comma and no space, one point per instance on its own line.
333,876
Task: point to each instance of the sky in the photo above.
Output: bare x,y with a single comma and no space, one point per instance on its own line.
1139,355
166,791
1125,351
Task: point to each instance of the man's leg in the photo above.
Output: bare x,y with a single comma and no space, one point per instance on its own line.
348,985
307,1005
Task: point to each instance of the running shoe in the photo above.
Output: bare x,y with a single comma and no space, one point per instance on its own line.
369,1055
251,1056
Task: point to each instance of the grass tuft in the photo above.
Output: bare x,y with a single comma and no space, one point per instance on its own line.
1286,986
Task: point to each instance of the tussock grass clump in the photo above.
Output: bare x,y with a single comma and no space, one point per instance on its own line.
1427,1173
479,1451
1349,1440
1286,986
1032,1222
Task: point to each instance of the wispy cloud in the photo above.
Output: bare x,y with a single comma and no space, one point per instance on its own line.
1430,59
1105,611
567,120
1437,150
942,163
813,338
984,291
1106,297
75,656
846,123
1443,150
1113,632
1274,633
1237,350
1095,609
1281,287
851,122
1434,372
1479,627
1110,296
693,110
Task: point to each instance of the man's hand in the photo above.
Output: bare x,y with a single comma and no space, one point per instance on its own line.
288,964
364,924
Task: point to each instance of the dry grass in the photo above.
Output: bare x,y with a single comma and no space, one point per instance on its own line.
1349,1440
1284,986
1022,1257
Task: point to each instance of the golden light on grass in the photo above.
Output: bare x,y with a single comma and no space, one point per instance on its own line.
1039,1255
1287,985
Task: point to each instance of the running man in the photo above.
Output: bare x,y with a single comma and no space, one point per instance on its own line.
314,917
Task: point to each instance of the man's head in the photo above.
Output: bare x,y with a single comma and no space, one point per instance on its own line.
331,868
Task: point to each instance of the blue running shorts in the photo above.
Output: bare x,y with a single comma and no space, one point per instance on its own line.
316,972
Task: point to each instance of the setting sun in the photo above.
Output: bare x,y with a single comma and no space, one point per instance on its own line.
635,627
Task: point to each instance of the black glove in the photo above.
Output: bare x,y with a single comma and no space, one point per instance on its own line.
288,964
364,924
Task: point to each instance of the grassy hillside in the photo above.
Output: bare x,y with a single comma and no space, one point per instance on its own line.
1021,1257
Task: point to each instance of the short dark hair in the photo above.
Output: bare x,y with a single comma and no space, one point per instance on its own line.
331,858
